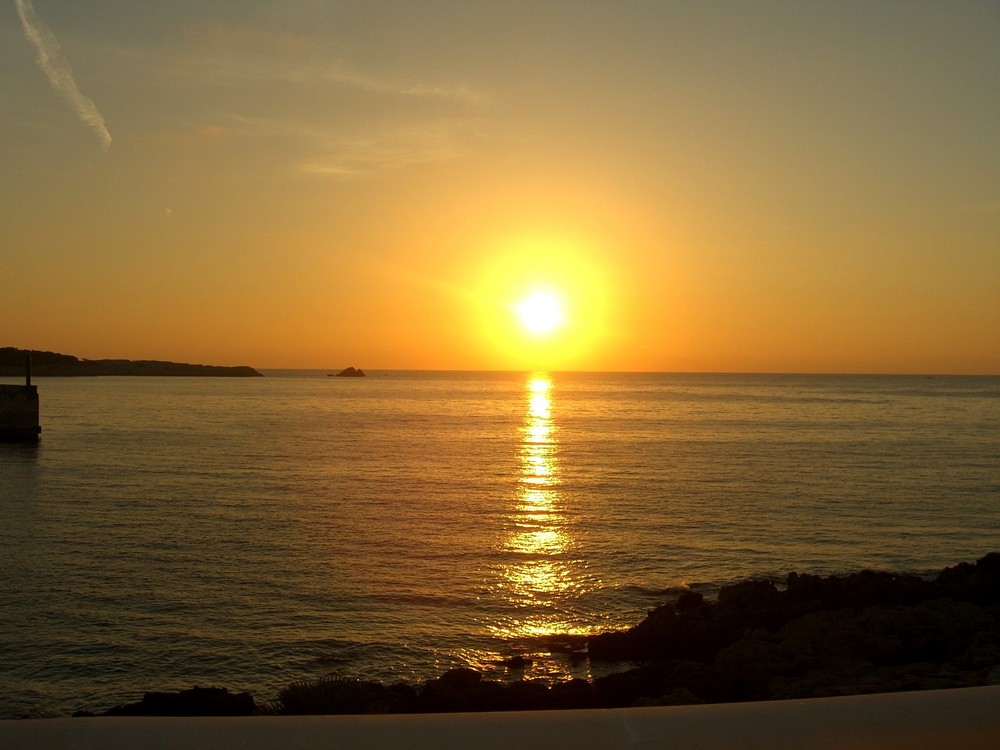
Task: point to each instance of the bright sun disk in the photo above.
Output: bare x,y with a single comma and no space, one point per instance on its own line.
540,313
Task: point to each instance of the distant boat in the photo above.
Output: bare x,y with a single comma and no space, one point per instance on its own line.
350,372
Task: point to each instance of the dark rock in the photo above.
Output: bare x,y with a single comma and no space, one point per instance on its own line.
350,372
576,693
459,690
197,701
842,651
517,662
333,695
527,695
689,600
748,596
625,689
461,678
979,583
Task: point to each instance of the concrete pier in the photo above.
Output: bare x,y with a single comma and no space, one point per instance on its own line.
19,410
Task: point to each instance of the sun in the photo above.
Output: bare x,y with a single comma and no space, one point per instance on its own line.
540,313
543,302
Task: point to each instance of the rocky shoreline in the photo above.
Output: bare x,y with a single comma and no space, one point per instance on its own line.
813,636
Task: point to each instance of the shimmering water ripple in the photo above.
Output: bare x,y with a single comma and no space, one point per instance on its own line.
171,532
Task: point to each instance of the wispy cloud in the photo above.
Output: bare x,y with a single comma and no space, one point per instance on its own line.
58,71
224,52
394,149
348,152
301,101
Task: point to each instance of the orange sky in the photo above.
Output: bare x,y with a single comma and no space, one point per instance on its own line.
729,186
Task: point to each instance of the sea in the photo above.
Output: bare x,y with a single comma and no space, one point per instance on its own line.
251,533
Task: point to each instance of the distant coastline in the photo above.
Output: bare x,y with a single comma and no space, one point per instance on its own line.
52,364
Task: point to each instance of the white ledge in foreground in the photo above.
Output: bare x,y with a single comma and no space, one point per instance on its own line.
967,718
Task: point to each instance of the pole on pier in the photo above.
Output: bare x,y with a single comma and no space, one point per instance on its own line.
27,368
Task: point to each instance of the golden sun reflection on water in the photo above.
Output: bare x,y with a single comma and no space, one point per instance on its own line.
538,572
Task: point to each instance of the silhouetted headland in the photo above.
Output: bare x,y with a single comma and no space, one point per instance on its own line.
807,637
51,364
350,372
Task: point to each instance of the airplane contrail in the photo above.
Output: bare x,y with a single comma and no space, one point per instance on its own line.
60,75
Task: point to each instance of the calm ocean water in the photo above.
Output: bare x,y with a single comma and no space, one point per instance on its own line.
169,532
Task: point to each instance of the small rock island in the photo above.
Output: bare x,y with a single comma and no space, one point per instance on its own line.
350,372
51,364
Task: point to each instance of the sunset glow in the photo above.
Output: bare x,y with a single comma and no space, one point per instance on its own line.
448,356
544,301
686,186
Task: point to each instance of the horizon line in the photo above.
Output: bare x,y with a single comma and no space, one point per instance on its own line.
528,371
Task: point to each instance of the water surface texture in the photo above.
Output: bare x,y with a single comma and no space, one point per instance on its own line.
168,532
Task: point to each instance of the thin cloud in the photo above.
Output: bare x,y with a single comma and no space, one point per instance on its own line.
389,149
342,74
371,155
58,71
235,52
350,154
